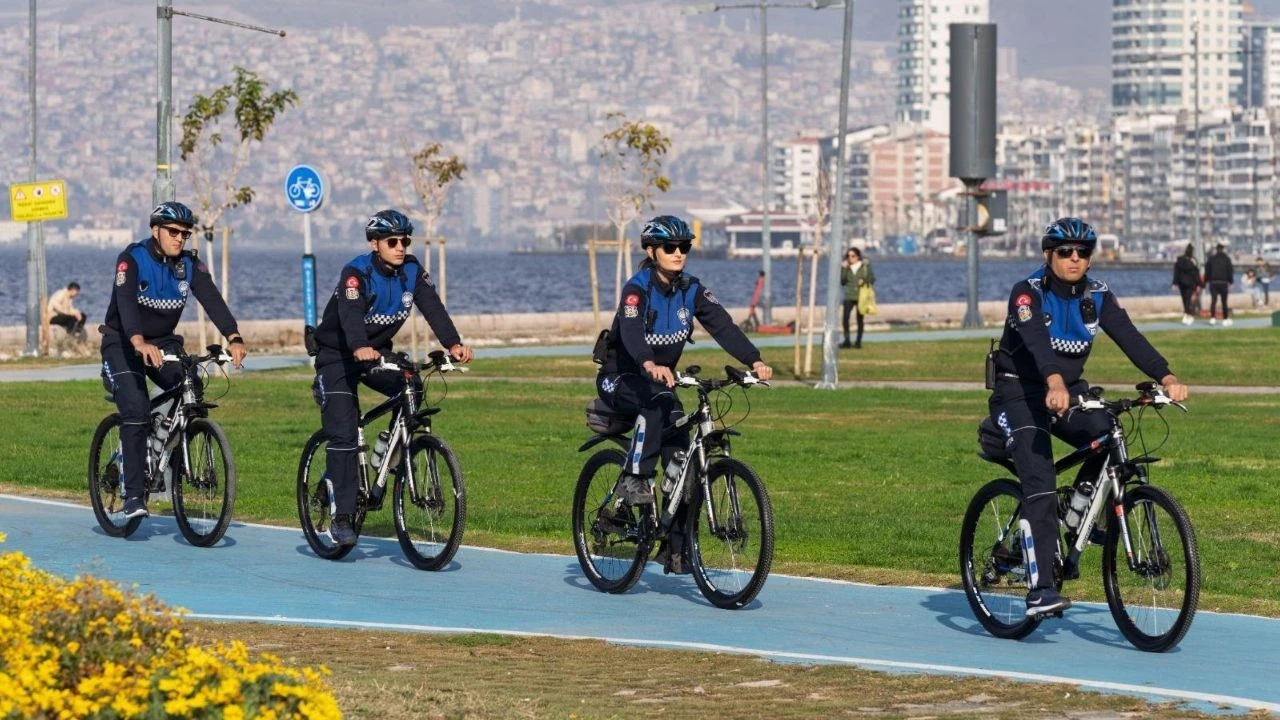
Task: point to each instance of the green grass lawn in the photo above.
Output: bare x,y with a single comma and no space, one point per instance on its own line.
867,484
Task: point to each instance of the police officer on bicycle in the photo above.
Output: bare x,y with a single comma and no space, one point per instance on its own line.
649,331
1053,317
375,295
153,278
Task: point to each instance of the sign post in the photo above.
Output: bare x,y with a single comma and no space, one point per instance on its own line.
304,189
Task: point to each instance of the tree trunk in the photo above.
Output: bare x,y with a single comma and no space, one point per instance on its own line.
226,265
796,321
617,268
595,280
444,293
813,297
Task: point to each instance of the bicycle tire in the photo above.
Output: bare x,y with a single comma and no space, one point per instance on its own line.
997,595
212,500
612,560
733,563
1140,624
430,543
106,480
313,505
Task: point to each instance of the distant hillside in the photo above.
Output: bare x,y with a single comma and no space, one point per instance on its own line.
1066,41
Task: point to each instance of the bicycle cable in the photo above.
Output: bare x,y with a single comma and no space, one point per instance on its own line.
208,375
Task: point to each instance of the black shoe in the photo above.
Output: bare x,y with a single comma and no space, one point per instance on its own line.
846,344
134,507
612,521
342,532
672,564
857,345
1042,601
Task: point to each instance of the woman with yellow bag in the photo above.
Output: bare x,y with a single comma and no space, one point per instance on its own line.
858,280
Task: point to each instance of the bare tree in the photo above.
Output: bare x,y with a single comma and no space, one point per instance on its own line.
213,175
432,176
631,155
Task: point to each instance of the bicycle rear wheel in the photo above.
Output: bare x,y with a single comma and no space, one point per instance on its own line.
106,479
991,563
612,538
1154,601
315,503
731,559
203,502
431,507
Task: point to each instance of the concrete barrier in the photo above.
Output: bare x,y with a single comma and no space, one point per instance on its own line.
568,327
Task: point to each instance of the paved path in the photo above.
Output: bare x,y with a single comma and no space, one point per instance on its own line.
268,574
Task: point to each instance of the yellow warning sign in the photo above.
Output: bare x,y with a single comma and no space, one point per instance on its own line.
44,200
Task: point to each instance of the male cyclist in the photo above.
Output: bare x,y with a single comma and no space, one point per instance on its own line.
374,297
649,331
154,276
1053,317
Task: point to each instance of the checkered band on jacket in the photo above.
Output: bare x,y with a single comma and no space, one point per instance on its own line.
674,338
162,303
381,319
1069,347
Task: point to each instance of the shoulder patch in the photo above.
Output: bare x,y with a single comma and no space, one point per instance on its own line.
706,293
1023,300
122,266
632,300
353,282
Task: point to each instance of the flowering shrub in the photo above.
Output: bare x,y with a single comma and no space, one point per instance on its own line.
87,649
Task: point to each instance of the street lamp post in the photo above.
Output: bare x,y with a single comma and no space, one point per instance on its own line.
766,296
36,278
1195,199
162,187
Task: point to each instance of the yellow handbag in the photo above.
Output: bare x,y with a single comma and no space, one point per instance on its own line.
867,300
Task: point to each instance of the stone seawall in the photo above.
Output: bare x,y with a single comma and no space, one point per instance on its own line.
578,327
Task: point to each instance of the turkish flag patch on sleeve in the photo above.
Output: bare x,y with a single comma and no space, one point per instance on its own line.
1023,299
632,300
122,266
353,281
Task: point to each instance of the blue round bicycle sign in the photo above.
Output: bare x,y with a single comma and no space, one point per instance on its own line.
304,189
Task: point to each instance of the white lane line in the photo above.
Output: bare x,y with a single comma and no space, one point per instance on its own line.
1142,690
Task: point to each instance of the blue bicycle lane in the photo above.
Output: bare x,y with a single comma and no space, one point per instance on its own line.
268,574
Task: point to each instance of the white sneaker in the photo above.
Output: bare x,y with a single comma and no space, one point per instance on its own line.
1227,322
1213,321
1187,319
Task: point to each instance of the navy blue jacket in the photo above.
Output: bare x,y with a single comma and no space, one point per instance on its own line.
654,323
1051,326
151,291
371,303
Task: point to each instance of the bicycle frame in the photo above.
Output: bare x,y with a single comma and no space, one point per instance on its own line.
405,421
704,434
186,403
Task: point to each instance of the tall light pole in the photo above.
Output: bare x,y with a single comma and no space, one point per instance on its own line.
35,232
829,379
162,187
1195,199
766,297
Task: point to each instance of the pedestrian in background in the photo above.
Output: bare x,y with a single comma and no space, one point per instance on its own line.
1186,280
1262,272
64,313
855,273
1218,275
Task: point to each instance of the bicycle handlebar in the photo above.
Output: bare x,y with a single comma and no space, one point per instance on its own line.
215,353
400,362
1149,394
733,376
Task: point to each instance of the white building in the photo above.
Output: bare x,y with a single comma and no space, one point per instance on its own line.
797,164
924,56
1162,49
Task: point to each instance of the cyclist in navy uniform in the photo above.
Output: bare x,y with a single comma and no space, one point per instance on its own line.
154,276
1053,317
653,322
376,293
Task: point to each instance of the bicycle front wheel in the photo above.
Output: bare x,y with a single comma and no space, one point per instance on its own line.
106,479
431,506
315,500
203,501
1153,597
991,562
612,538
730,535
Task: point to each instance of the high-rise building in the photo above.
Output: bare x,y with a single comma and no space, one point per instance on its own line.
1261,64
924,56
1162,49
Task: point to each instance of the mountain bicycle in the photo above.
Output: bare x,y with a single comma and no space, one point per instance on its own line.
729,526
187,453
430,511
1150,560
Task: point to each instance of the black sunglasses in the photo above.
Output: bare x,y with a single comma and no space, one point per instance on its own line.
684,248
1065,251
394,242
177,232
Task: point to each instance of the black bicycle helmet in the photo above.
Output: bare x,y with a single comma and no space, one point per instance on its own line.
386,223
664,229
1068,231
172,212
